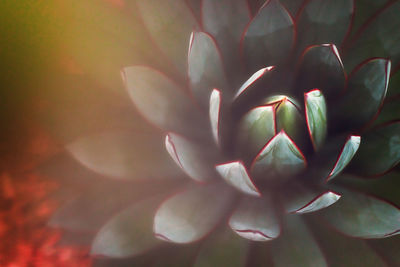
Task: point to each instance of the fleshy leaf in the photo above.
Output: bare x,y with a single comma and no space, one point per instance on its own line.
223,249
289,119
235,174
343,251
192,158
84,214
324,21
302,199
123,155
365,93
226,21
215,114
178,221
390,112
256,128
169,23
129,232
379,151
316,116
255,219
394,85
161,101
205,67
321,67
349,150
296,246
279,158
388,248
363,216
269,37
379,38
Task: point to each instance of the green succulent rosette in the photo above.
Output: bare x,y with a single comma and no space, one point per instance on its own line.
280,126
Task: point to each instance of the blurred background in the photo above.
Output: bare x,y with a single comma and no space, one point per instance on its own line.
60,78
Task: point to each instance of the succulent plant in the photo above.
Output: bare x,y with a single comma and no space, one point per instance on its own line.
285,118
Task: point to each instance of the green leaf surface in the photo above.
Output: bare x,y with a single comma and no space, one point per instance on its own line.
379,38
121,154
366,91
194,159
342,251
394,84
190,215
363,216
128,233
169,23
388,248
162,101
223,249
379,151
296,246
205,67
324,21
278,159
316,116
235,174
269,38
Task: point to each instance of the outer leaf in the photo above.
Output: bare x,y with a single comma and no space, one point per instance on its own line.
349,150
363,216
365,9
380,150
342,251
394,85
324,21
177,221
223,249
321,67
366,91
160,100
84,212
302,199
390,112
279,158
129,233
379,38
169,23
205,67
193,159
123,155
235,174
296,246
316,117
255,219
269,37
256,128
388,248
226,20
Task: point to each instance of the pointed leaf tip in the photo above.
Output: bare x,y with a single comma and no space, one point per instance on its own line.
346,155
316,117
235,174
279,158
253,78
323,201
215,109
